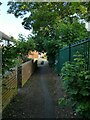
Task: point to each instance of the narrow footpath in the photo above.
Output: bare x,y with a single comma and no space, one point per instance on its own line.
39,97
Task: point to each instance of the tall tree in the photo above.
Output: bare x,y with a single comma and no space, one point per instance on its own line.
42,16
46,19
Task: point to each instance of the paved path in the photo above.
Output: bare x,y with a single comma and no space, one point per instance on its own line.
35,99
45,76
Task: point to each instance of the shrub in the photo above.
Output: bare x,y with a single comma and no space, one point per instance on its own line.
76,80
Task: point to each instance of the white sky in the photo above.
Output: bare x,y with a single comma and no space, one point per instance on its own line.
9,24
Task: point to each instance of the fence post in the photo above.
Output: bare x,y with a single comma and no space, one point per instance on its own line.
69,52
19,76
88,65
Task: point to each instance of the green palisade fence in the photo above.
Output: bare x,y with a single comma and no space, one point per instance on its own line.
66,54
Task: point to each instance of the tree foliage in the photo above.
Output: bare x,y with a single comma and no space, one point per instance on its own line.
8,58
22,47
43,15
68,33
52,21
13,55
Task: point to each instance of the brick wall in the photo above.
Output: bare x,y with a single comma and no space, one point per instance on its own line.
33,54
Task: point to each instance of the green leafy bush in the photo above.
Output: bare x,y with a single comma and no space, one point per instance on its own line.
17,54
8,58
76,80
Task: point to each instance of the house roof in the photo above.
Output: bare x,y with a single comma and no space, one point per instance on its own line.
3,36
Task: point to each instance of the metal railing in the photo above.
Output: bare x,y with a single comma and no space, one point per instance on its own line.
66,54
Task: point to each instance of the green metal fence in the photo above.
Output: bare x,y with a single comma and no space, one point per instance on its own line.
66,54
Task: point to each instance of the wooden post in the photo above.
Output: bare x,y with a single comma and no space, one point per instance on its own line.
19,76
